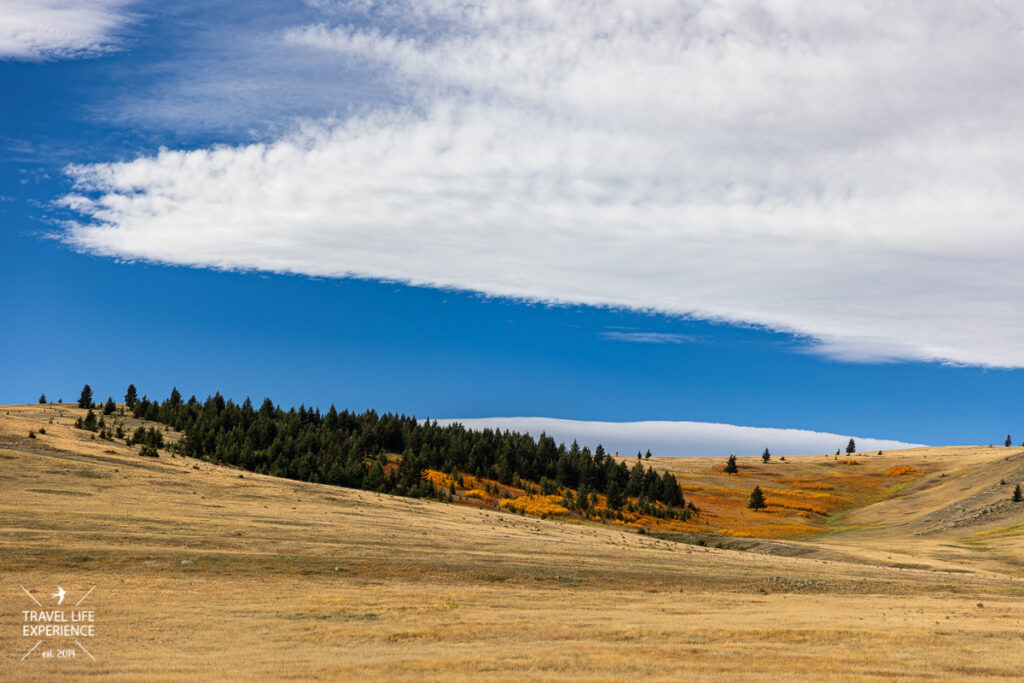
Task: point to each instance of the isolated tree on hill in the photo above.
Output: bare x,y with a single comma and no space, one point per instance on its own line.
730,465
851,447
766,456
42,398
85,400
109,407
648,454
757,501
131,397
1017,496
1008,441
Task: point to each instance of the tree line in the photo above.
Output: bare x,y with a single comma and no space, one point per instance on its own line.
349,449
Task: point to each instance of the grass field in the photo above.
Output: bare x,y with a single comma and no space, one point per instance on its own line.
856,572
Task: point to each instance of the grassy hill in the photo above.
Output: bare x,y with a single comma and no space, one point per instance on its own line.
948,507
204,570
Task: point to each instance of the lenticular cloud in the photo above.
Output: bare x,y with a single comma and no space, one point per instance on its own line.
838,172
679,439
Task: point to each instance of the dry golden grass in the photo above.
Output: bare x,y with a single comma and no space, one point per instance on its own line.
203,573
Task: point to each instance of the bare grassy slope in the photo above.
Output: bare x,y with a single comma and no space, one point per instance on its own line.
962,515
201,571
944,507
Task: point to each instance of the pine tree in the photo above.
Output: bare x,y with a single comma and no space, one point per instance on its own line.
85,400
730,465
635,483
131,397
757,501
1017,496
109,407
614,494
671,492
766,456
851,447
1008,441
42,398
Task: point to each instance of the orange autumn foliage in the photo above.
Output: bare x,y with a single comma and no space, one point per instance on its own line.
539,506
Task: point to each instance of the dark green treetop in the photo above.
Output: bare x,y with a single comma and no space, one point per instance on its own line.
757,501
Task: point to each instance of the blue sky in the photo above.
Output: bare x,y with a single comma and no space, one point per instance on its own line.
465,210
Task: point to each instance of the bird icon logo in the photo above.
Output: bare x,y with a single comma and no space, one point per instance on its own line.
59,595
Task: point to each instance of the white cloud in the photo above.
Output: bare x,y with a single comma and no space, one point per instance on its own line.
845,172
681,438
33,30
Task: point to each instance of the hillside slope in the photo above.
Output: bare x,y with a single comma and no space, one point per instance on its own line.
206,570
962,516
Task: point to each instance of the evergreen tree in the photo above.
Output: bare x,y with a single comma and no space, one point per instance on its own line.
730,465
635,485
85,400
375,479
109,407
671,492
131,396
766,456
614,494
851,447
757,501
647,455
1008,441
1017,496
42,398
90,421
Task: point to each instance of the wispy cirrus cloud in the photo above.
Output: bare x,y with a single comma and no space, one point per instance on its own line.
33,30
647,337
833,171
